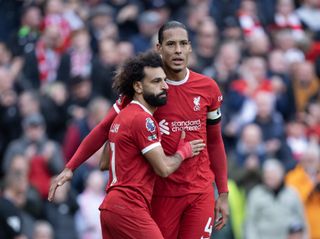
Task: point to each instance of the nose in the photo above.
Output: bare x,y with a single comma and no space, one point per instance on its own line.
165,85
178,48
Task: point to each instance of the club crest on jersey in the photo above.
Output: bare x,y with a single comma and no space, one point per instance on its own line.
150,125
196,102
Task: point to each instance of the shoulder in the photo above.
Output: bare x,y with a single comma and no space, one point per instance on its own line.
203,80
198,76
144,119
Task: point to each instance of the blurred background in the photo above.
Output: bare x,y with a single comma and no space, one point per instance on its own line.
57,60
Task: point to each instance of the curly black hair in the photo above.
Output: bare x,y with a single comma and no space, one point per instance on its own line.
133,70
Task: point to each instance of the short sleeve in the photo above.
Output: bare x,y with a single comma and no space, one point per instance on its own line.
216,97
146,132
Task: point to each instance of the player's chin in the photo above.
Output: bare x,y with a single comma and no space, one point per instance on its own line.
162,100
177,68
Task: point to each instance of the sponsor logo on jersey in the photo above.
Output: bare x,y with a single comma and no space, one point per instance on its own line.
114,128
150,125
196,102
164,128
175,126
188,125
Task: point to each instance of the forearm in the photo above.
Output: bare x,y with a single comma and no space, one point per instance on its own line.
217,157
163,165
172,163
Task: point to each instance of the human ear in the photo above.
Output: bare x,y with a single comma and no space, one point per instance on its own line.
137,86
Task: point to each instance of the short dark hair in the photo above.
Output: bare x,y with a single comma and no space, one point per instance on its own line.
132,70
169,25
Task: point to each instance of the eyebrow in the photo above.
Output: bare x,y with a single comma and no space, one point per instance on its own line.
158,78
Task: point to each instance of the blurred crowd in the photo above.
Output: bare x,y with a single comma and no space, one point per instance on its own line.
57,60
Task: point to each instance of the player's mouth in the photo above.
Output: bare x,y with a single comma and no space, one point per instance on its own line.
178,61
163,94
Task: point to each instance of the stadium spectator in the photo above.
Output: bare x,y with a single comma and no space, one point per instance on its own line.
41,64
205,43
12,200
24,40
77,61
43,230
305,178
44,155
54,104
272,205
87,217
308,13
60,213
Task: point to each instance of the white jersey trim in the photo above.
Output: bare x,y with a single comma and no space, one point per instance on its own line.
116,108
213,115
151,146
142,106
180,82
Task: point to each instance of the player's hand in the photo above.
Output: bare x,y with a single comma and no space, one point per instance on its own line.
191,148
221,211
63,177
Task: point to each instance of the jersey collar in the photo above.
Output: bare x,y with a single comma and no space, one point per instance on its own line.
141,105
180,82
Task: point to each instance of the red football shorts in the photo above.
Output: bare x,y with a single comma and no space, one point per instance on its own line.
126,220
186,217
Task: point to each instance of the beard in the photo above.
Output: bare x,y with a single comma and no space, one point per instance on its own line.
155,100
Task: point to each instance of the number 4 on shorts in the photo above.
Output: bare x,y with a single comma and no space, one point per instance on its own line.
208,228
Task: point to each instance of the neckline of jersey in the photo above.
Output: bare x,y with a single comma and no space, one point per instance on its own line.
141,105
180,82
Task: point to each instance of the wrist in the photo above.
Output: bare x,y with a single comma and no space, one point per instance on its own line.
179,154
184,150
223,194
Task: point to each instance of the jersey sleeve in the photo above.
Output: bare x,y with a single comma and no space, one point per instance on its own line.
216,97
146,132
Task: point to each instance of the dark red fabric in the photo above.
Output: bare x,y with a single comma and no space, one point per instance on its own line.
217,157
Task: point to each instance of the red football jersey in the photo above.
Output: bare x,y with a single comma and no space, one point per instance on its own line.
133,133
189,102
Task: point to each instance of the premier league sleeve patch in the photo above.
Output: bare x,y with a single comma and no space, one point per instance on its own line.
150,125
